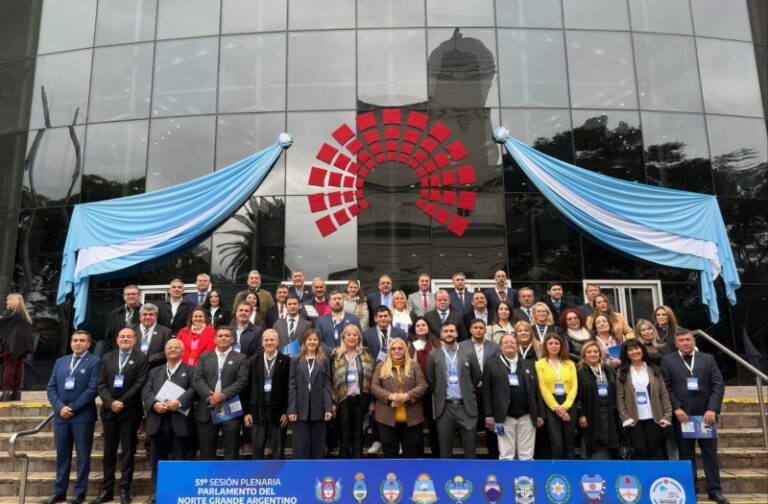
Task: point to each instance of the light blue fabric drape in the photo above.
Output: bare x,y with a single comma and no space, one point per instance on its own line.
666,226
112,235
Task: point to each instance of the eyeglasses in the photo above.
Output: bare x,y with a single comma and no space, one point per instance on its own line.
397,349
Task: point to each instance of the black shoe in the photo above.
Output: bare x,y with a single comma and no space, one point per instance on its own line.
77,499
53,499
125,497
103,497
718,497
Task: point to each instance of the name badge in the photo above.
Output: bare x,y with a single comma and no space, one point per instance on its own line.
351,375
453,377
119,380
236,347
602,389
693,384
382,355
144,347
268,385
641,396
69,383
513,381
559,389
336,334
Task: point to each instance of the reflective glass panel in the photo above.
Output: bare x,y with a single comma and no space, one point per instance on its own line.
676,151
328,85
186,265
185,77
529,13
532,68
600,69
389,13
460,13
308,15
729,77
747,223
65,78
13,150
665,16
18,21
16,91
252,76
758,18
392,68
66,25
739,150
53,324
715,18
187,18
121,83
596,14
115,160
243,16
121,22
179,150
609,142
53,167
39,242
667,73
761,58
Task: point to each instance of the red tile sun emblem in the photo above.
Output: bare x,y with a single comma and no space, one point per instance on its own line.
404,137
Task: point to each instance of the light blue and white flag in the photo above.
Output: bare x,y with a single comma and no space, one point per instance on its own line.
112,235
667,226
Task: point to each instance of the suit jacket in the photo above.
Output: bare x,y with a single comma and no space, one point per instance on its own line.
469,377
135,375
234,379
416,303
711,385
490,350
115,322
273,315
222,317
166,318
250,339
309,404
374,301
457,305
278,398
519,314
658,397
281,326
193,299
470,316
435,324
82,398
156,351
496,389
493,298
327,332
556,312
372,342
304,295
415,386
182,425
266,301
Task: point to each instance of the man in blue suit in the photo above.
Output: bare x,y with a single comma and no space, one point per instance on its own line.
376,338
331,325
72,392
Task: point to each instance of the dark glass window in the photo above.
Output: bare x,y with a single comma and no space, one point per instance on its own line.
20,20
739,149
724,93
390,14
121,83
186,265
747,223
609,142
54,166
115,160
121,22
53,324
252,77
665,16
305,14
179,150
244,16
596,14
66,25
529,13
16,78
39,242
187,18
13,149
460,13
758,18
714,18
185,77
65,77
330,85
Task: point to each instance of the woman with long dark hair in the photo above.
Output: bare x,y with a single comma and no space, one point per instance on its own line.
422,341
218,313
502,323
572,323
619,325
16,341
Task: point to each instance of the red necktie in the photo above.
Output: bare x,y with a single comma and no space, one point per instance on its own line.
424,303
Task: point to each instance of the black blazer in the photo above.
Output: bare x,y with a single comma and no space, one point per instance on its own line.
273,315
456,304
278,399
470,316
165,316
588,405
496,389
234,379
223,317
711,385
281,326
250,339
493,298
309,405
518,314
372,342
555,312
156,352
115,322
182,425
135,375
435,324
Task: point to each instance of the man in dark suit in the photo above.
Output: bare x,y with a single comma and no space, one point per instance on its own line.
382,297
266,301
526,298
220,376
203,284
461,297
268,402
478,310
318,306
443,313
166,424
174,312
591,291
302,291
125,316
278,310
555,301
247,335
121,380
150,336
72,393
696,388
421,301
453,374
376,338
293,326
500,292
331,325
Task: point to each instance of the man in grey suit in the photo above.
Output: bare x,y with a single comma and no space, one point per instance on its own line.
454,374
220,376
151,337
293,326
422,301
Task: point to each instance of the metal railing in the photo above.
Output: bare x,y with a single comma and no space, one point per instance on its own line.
760,377
23,457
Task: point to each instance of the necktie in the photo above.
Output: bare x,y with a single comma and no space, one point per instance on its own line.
200,298
384,338
282,311
461,297
290,328
503,296
123,358
443,315
528,312
144,334
424,301
128,317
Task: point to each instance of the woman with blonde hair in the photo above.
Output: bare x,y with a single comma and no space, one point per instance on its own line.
355,303
596,403
16,341
542,321
401,318
527,346
398,385
621,329
666,324
646,333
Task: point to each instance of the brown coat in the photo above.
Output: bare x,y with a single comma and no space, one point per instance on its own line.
661,407
415,386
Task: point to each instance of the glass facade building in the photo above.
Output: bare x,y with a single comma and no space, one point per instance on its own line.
106,98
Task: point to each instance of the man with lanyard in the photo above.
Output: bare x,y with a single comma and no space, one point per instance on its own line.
376,338
268,401
383,297
72,393
278,311
330,326
453,374
293,326
246,334
175,311
220,376
121,380
151,337
125,316
169,421
318,306
696,388
500,292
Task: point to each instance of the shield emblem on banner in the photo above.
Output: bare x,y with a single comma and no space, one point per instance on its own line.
458,489
593,487
492,489
391,489
359,488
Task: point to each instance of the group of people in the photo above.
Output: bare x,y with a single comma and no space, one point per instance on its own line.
542,379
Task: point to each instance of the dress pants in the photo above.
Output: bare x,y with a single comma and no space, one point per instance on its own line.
491,439
166,445
208,438
67,434
454,415
519,438
264,432
646,439
350,415
708,447
122,433
562,435
401,435
426,404
308,439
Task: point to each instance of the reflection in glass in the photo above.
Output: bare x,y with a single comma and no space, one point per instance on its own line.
53,167
66,25
663,16
532,68
13,150
65,78
739,149
392,67
600,70
390,14
185,77
715,18
596,14
39,242
676,151
16,79
52,323
609,142
747,223
330,85
529,13
121,22
245,16
187,18
305,14
115,160
729,77
179,150
122,78
186,264
252,76
460,13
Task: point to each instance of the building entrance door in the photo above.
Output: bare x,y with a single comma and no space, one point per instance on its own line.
635,299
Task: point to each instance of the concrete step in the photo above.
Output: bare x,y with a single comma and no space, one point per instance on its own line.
750,498
741,419
739,438
739,458
45,461
742,481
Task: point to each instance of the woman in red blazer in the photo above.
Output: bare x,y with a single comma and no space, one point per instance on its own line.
198,337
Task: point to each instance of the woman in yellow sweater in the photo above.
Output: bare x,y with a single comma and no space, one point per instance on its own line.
557,383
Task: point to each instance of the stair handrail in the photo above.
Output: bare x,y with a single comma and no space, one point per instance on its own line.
23,457
760,377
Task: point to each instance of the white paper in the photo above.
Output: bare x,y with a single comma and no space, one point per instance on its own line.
171,392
